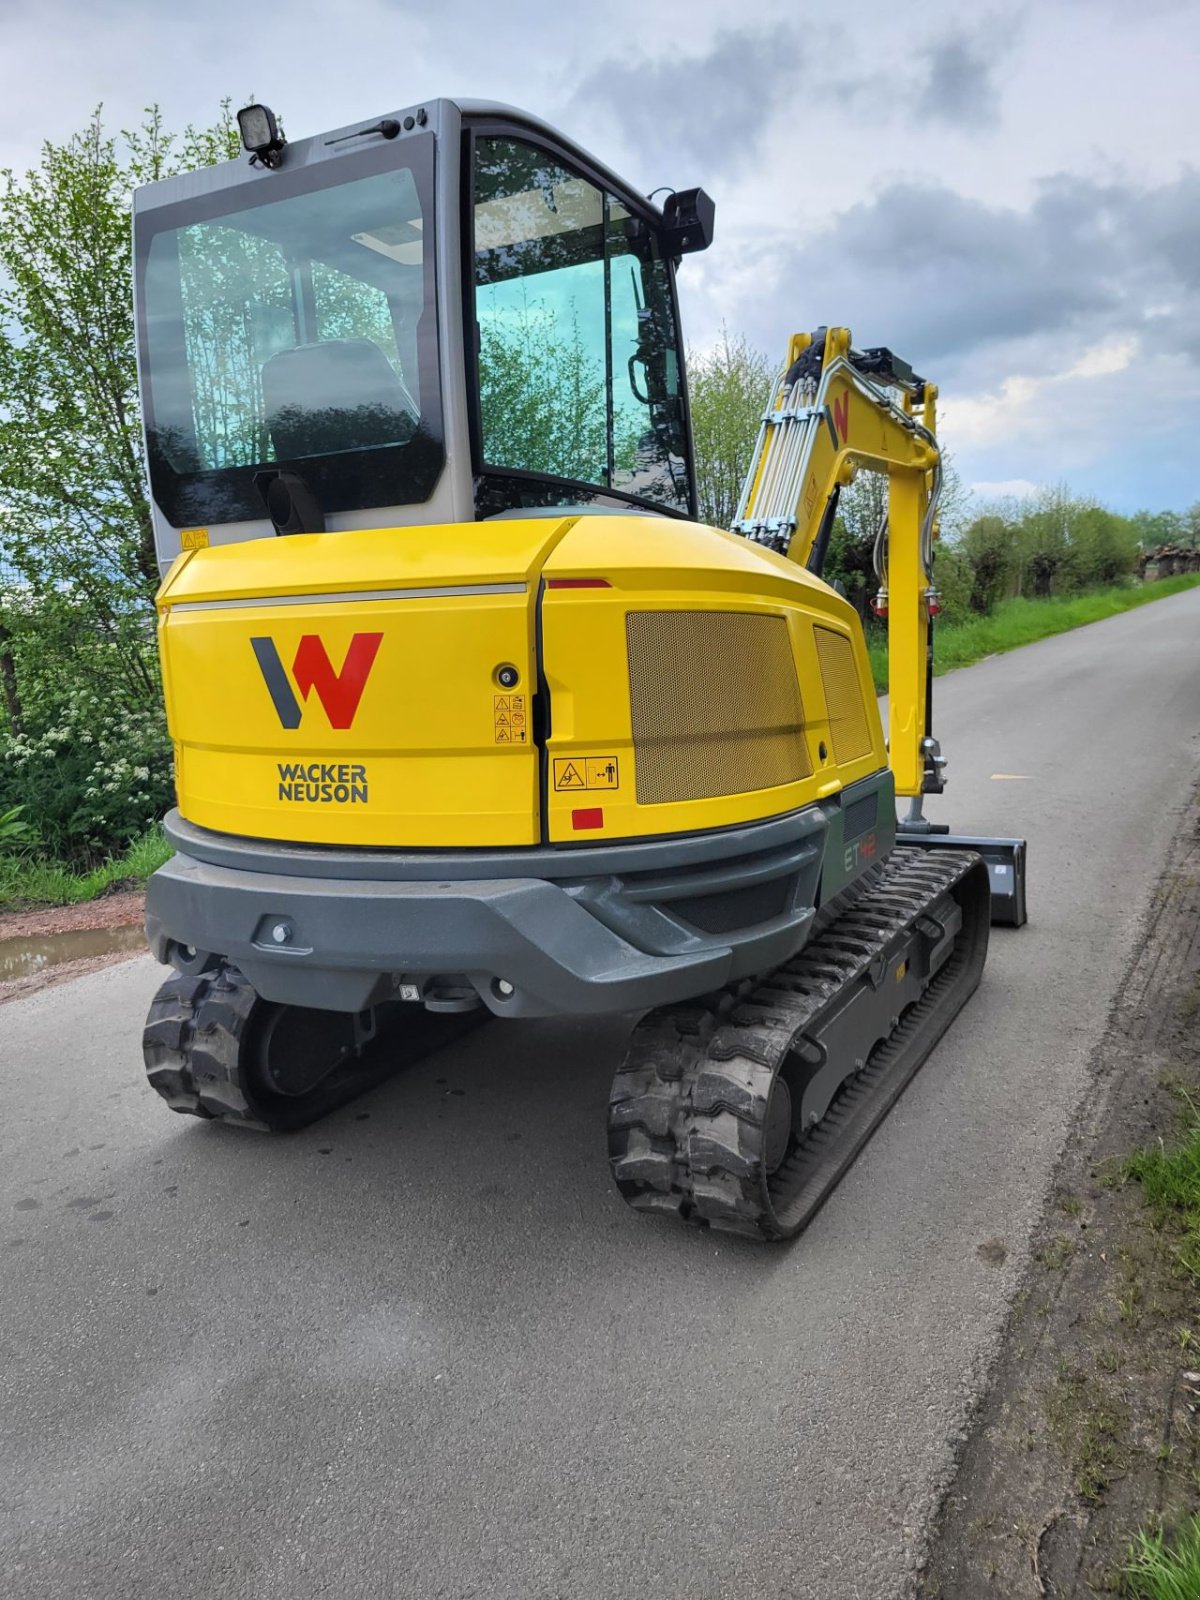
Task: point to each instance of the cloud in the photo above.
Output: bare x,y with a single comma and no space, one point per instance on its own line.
712,105
1058,332
961,84
1008,412
945,279
950,183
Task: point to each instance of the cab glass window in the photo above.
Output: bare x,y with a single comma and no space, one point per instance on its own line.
579,372
293,322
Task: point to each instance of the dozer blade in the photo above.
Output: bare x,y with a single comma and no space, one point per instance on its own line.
1005,860
743,1115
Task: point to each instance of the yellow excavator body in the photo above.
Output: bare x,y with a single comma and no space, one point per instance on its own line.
697,682
474,716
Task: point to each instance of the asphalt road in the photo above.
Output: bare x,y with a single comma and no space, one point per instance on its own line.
423,1350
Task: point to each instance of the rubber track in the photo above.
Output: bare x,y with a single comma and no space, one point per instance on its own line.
688,1105
199,1041
192,1044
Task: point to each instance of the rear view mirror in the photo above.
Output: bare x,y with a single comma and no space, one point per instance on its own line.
688,217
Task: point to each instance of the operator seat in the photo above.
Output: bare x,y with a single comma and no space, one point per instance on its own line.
337,394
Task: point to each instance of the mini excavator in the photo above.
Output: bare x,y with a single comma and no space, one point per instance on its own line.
473,718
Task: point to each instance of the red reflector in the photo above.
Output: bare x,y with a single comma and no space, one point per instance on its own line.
593,817
578,583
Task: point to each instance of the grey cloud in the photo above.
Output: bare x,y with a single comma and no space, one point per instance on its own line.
946,279
961,84
709,108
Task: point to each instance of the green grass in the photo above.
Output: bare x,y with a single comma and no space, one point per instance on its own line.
26,882
1170,1180
1158,1571
1017,622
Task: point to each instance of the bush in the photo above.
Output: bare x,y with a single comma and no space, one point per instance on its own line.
92,778
15,832
954,579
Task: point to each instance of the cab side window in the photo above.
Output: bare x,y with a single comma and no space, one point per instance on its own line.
578,362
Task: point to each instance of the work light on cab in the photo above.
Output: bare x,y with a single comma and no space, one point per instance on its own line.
261,135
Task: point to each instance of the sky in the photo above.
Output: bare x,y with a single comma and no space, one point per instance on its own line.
1007,194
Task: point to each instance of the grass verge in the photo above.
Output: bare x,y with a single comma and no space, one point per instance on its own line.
1170,1180
1158,1571
1017,622
25,881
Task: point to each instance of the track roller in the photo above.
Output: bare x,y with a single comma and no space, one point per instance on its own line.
213,1048
743,1115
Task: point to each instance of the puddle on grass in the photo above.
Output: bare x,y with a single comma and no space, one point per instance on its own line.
22,958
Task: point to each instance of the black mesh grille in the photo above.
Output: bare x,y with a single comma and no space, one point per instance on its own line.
860,815
740,908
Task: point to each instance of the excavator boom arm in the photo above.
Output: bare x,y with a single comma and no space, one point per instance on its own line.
833,412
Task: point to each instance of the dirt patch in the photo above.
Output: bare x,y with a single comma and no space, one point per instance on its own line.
42,928
120,910
1092,1423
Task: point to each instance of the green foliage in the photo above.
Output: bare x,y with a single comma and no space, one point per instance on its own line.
15,832
954,579
1154,528
1162,1570
990,547
730,389
76,517
1022,621
542,399
94,776
83,749
1056,544
1064,543
1170,1180
27,881
850,559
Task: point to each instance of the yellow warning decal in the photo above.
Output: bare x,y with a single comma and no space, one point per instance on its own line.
509,719
592,772
602,772
569,775
193,538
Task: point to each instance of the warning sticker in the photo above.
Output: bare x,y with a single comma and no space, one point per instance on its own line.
193,538
591,772
602,772
569,775
509,719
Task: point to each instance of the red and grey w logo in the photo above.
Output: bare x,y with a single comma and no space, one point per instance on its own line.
339,692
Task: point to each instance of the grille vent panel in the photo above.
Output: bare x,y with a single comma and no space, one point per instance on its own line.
848,726
715,705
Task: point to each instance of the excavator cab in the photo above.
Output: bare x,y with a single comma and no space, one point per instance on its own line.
473,718
450,314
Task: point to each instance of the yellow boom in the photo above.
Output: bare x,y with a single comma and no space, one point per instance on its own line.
832,413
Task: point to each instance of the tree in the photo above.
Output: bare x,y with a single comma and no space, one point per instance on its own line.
730,389
1156,528
76,524
542,399
1103,545
990,545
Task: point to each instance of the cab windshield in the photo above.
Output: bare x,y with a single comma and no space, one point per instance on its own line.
292,322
